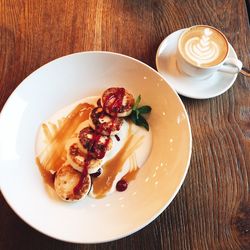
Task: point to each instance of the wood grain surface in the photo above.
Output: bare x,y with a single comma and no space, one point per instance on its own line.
212,209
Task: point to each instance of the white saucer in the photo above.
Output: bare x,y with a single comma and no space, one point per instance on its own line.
185,85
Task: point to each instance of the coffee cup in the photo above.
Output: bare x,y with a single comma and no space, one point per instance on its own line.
202,50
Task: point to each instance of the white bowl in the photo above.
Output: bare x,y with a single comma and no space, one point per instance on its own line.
60,83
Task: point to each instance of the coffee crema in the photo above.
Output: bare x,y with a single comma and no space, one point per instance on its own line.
203,46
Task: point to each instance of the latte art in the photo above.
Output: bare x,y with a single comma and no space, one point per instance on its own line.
202,50
203,46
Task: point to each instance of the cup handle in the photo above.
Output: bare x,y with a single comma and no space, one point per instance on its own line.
231,65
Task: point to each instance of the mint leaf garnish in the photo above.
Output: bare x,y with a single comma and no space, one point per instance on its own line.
138,99
136,114
144,109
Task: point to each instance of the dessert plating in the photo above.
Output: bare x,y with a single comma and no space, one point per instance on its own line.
84,157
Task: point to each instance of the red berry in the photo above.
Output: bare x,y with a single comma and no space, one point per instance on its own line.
121,185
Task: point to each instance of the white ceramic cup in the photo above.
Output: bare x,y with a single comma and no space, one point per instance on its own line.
228,64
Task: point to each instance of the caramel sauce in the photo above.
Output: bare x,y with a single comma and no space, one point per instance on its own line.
48,177
54,155
131,175
103,183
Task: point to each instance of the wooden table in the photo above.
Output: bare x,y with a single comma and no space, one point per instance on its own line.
212,209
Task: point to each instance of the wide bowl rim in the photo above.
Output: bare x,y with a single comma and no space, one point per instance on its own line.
54,236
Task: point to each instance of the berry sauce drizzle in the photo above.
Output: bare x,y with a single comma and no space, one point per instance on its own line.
78,187
113,102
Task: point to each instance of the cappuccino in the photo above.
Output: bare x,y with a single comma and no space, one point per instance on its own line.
203,46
